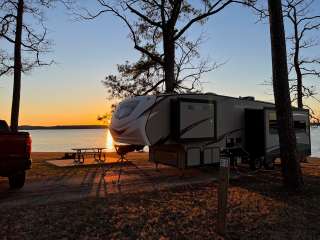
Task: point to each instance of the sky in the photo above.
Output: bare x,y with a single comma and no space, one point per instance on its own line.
71,92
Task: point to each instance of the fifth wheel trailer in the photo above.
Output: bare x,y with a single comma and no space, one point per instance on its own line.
186,130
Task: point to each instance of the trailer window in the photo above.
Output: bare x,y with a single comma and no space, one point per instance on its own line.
273,126
299,126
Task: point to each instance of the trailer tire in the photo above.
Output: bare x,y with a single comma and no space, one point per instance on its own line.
16,181
268,164
256,163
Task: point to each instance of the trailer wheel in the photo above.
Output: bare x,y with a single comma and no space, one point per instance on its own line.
268,164
256,163
16,181
245,160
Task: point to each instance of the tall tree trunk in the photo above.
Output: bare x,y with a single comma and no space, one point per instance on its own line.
169,58
296,61
17,69
299,85
291,171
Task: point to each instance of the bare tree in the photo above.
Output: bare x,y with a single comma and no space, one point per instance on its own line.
25,40
305,21
147,76
303,24
291,170
158,27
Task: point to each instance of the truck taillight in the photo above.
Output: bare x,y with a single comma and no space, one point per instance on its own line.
29,144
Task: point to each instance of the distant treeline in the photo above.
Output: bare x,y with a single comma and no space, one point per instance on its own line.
27,127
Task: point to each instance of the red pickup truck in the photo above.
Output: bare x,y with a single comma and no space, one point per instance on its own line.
15,155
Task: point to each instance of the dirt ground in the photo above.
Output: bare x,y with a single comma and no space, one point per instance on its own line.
85,203
47,183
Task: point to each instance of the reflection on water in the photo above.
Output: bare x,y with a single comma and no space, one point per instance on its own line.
109,142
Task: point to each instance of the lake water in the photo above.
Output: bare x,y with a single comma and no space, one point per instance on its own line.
66,139
63,140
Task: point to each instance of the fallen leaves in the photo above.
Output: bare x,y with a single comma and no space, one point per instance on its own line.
258,209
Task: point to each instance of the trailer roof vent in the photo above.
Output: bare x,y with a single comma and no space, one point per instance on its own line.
249,98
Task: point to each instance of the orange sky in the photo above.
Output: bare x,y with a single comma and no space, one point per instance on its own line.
56,106
53,118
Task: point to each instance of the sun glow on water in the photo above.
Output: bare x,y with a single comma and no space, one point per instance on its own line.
109,142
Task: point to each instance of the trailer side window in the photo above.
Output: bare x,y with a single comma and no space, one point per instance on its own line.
273,126
299,126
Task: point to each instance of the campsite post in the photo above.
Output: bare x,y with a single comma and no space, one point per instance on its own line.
223,194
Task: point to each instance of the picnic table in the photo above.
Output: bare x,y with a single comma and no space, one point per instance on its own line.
97,153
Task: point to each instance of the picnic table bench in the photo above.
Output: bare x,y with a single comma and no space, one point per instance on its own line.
96,152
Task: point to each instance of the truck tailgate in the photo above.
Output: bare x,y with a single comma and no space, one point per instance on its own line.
15,145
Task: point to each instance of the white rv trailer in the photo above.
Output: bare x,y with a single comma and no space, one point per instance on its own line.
186,130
